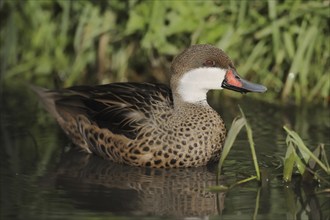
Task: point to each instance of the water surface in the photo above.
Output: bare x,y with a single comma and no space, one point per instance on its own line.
42,177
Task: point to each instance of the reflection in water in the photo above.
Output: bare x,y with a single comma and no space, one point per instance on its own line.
101,185
39,182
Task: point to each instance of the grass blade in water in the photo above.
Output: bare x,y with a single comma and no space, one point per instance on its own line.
253,152
289,163
235,128
294,137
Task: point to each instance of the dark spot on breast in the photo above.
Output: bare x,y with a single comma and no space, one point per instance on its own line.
157,162
146,149
101,136
133,157
173,161
181,163
159,153
95,136
148,164
166,155
178,146
183,142
136,151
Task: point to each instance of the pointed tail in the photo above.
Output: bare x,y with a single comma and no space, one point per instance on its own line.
47,98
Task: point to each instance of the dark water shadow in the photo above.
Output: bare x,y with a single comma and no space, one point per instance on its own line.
99,185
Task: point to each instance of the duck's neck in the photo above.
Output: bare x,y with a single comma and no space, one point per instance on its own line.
180,103
193,86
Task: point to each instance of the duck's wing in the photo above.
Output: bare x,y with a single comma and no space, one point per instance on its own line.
123,108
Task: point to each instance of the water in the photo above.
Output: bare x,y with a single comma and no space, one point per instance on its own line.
43,178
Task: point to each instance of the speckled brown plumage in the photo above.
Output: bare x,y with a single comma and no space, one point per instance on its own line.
144,124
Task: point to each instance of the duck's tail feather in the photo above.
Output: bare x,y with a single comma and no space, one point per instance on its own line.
47,98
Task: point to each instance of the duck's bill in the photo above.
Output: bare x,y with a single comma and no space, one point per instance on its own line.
234,82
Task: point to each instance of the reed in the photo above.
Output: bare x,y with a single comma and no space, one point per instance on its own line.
236,126
299,155
283,45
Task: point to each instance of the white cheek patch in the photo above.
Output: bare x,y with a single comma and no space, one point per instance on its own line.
194,84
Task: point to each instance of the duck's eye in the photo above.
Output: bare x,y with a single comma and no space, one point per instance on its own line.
209,63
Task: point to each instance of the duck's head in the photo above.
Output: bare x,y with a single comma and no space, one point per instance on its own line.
203,67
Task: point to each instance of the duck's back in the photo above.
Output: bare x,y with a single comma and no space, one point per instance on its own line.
121,108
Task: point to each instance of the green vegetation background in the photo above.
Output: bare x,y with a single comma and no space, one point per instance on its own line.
284,44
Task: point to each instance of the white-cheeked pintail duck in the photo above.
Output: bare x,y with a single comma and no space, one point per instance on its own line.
149,124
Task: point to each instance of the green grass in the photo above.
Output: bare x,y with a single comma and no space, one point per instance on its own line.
283,45
298,155
236,126
309,164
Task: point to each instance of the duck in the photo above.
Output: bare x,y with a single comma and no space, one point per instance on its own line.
151,124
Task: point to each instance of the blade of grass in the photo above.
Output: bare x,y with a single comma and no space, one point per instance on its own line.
300,165
235,128
243,181
324,156
218,188
304,150
289,163
255,214
222,188
253,152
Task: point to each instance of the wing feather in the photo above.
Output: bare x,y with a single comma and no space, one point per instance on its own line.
119,107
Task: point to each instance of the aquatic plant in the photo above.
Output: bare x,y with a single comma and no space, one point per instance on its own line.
299,155
283,45
235,128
